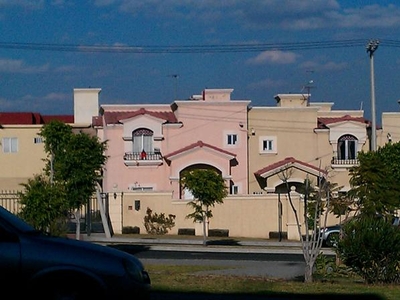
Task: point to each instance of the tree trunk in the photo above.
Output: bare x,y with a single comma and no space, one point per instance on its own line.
308,273
204,231
78,224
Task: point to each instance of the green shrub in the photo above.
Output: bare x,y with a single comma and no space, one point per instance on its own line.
130,230
158,224
371,248
325,266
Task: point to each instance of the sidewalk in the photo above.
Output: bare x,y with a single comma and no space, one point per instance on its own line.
195,243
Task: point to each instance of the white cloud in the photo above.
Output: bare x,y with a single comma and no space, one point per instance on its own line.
27,4
324,67
56,96
286,14
274,57
18,66
267,83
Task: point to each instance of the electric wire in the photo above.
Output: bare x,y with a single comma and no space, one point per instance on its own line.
213,48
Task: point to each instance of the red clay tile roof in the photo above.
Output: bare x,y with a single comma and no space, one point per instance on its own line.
62,118
324,121
286,164
97,121
29,118
114,117
199,144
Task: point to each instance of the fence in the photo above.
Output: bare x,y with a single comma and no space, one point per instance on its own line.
10,201
90,216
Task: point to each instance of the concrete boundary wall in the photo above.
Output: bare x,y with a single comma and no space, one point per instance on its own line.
253,216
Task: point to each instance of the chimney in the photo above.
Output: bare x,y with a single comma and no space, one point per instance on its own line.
86,105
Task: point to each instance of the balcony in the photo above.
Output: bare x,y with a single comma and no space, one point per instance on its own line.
143,159
343,163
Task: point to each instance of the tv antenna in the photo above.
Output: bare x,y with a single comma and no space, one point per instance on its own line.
308,86
175,85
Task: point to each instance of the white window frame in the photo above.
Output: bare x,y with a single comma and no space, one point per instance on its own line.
231,139
38,140
142,141
272,142
349,146
234,190
10,144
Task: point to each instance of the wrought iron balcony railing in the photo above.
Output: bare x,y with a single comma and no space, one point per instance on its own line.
344,162
137,156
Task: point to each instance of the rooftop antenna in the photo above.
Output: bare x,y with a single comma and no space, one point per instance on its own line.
176,85
308,88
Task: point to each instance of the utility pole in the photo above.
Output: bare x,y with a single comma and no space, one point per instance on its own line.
371,48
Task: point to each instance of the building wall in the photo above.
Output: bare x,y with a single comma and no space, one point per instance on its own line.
390,131
18,167
292,130
244,216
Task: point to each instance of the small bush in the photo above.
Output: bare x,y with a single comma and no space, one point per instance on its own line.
325,266
158,224
131,230
371,248
186,231
218,232
277,235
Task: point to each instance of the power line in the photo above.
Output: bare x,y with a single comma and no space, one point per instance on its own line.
148,49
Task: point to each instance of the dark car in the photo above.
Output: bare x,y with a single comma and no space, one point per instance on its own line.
33,264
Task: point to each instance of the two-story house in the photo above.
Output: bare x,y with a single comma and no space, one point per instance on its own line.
150,146
22,150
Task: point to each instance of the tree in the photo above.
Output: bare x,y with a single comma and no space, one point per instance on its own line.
370,246
375,194
43,205
316,209
374,181
208,189
73,165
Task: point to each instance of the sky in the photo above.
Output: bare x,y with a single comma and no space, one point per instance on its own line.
156,51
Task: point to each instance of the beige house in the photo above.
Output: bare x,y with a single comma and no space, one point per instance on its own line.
22,152
314,138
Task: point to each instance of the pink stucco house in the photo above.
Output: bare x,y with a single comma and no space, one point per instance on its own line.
151,145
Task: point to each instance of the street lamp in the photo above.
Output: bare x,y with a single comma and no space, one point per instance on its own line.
371,48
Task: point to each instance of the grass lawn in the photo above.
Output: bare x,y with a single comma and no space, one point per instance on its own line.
184,279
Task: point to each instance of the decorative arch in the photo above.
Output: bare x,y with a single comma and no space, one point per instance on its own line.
142,140
185,194
347,147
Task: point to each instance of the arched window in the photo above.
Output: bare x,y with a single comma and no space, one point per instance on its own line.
347,147
142,139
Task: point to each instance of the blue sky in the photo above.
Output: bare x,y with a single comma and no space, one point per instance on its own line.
42,54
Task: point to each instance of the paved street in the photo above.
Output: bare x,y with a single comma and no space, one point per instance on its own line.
287,261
